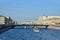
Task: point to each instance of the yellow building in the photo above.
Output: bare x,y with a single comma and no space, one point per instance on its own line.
51,20
5,20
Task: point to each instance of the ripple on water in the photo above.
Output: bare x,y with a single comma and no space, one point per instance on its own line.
28,34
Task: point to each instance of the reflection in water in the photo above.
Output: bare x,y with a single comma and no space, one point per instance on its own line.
19,33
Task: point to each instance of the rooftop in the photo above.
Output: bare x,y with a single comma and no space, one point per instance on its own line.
4,16
48,17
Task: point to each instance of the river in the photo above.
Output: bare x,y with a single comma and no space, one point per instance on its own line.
19,33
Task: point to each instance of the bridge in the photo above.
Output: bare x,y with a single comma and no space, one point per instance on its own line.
7,23
34,26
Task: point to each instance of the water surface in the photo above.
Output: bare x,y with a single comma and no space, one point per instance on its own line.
19,33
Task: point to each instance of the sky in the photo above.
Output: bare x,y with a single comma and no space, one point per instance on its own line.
29,9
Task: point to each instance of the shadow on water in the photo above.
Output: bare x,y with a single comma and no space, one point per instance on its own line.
4,29
19,33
